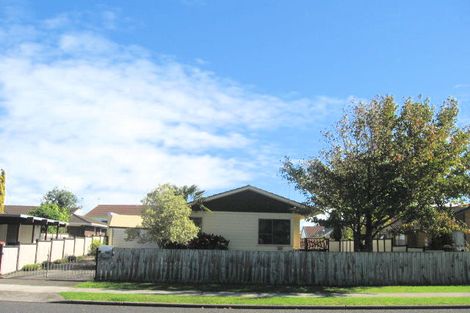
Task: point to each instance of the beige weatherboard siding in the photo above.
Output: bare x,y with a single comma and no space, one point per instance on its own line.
241,228
117,225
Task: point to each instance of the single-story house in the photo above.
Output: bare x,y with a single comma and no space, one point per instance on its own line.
80,226
249,217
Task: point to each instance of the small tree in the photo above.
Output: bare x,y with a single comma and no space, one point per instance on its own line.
2,191
62,198
165,218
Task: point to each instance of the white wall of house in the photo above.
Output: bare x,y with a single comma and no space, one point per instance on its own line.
117,239
241,228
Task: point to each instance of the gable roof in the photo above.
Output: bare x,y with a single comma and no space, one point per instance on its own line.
19,209
102,210
250,199
244,199
78,220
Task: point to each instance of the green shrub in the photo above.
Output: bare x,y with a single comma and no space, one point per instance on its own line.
31,267
61,261
95,244
203,241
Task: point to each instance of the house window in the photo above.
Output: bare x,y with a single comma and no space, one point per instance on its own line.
197,221
274,232
400,240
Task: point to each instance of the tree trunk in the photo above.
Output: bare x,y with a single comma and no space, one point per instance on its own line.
368,242
357,241
368,238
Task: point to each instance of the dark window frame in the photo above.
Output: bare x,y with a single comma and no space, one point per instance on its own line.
272,237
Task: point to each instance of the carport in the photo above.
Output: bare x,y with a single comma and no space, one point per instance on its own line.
21,228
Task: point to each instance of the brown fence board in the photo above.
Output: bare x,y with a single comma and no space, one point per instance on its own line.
285,267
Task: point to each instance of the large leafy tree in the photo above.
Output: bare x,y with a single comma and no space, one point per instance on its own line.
2,191
62,198
388,165
165,218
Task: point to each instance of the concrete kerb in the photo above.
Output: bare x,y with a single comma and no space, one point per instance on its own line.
263,307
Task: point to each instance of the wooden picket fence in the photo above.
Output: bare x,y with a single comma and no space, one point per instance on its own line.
284,267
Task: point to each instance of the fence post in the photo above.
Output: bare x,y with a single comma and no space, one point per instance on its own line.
36,254
84,245
48,262
1,254
18,257
96,263
63,249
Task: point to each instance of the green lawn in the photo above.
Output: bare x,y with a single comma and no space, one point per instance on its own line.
333,301
324,290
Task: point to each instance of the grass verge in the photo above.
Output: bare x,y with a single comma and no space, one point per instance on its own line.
276,300
313,290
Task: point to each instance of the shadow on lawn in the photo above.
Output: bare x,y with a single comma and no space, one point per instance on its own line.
261,289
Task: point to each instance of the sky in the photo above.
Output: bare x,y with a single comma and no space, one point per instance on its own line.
108,99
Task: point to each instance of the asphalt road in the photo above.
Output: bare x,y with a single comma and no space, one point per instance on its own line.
23,307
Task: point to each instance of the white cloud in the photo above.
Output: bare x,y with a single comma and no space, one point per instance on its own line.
110,122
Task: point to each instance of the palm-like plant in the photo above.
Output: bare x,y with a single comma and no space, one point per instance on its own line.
193,195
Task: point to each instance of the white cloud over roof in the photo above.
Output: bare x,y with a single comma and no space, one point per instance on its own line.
110,122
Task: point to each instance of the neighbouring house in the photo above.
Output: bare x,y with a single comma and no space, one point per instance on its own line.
251,218
80,226
316,231
101,212
117,226
462,213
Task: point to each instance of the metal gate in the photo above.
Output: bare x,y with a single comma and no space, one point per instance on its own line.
72,269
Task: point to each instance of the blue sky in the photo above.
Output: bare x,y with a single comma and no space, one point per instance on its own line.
111,98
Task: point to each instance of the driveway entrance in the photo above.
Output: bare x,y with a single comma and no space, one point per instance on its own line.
74,270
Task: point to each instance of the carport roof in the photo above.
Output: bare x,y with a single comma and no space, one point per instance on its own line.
28,220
